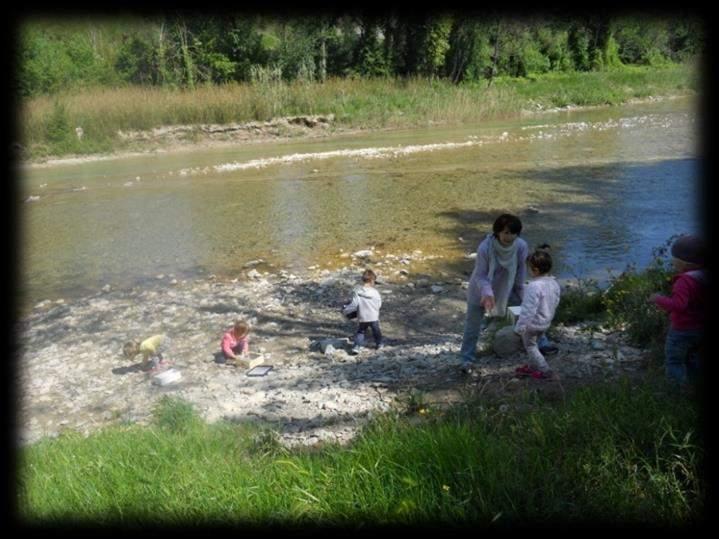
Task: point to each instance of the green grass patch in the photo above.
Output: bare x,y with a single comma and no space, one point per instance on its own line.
617,453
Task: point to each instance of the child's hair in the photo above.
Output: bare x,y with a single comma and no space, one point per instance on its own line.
541,260
241,328
509,221
131,348
369,276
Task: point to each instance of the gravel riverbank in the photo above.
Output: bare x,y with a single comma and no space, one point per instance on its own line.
73,376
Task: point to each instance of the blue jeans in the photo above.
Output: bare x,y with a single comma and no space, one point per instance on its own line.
362,328
681,350
474,323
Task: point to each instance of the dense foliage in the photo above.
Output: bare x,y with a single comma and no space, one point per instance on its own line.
184,51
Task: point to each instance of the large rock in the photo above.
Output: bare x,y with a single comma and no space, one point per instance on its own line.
506,342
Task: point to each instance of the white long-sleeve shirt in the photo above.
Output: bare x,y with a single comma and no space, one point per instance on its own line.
541,297
367,302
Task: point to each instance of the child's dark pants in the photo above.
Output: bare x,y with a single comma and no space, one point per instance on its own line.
362,328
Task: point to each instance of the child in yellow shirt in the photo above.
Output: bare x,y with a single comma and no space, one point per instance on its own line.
151,349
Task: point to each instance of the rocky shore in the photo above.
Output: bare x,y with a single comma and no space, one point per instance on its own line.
73,377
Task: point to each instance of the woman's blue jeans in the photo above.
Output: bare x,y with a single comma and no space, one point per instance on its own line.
682,361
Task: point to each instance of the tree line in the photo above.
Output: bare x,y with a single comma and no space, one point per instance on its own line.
182,51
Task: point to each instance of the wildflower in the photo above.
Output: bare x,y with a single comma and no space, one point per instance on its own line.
445,488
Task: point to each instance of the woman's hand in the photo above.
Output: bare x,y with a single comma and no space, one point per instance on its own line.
652,297
488,303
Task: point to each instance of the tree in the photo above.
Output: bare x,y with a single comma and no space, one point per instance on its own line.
369,58
434,45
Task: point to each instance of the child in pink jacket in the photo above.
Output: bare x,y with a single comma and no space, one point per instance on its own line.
539,303
236,340
687,307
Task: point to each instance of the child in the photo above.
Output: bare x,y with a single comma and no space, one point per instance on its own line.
686,307
539,303
152,349
236,340
366,302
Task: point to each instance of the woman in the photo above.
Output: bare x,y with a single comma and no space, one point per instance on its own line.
496,282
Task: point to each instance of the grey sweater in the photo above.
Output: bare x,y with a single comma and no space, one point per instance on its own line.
367,302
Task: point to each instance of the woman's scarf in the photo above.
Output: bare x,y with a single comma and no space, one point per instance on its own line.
505,257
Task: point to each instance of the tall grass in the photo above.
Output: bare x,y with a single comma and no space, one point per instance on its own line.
356,103
620,454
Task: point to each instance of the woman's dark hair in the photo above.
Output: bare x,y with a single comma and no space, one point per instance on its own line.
541,260
509,221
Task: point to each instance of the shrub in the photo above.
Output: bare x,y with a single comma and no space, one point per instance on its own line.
58,125
175,415
627,305
582,301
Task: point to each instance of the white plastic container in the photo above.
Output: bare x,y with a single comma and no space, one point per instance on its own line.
513,313
167,377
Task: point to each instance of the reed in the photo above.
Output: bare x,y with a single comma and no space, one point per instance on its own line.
356,103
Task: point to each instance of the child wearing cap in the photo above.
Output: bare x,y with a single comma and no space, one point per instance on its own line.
687,311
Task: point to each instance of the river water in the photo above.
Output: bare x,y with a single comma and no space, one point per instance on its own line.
603,186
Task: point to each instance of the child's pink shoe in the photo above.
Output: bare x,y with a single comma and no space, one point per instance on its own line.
524,370
542,375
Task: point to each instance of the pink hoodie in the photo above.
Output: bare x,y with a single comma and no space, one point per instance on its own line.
229,342
687,304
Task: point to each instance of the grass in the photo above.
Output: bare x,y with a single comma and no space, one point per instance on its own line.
48,123
617,454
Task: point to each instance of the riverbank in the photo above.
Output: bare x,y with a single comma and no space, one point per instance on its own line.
101,122
72,375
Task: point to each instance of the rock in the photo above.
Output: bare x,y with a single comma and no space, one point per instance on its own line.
32,198
254,274
334,343
597,345
363,254
506,342
106,288
436,289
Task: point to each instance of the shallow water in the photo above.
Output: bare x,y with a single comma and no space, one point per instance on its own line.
610,185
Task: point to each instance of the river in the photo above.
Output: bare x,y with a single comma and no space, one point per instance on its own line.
603,186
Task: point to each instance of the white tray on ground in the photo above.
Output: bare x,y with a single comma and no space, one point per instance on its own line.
166,377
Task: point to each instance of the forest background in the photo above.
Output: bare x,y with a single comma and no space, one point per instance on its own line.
107,76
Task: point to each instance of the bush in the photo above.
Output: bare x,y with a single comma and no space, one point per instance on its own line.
175,415
627,305
58,125
579,302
